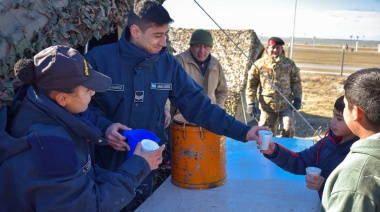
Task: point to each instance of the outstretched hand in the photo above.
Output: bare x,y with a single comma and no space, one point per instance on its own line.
253,133
270,150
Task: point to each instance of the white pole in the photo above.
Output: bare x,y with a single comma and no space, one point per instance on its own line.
357,43
356,46
294,26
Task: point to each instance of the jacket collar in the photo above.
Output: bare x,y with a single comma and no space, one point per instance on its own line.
73,122
135,54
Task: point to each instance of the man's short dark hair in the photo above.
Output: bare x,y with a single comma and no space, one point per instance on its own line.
362,89
148,13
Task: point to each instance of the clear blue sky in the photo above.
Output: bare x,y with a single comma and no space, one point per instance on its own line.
335,19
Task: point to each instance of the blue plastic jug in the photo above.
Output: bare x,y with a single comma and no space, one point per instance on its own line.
135,136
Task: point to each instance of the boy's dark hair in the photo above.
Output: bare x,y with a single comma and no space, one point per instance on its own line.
148,13
362,89
339,104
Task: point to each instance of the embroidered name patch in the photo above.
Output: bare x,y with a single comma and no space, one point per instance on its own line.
116,87
161,86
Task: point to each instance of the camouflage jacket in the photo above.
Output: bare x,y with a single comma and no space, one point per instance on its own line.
280,71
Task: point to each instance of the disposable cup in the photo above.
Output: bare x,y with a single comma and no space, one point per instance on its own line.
266,138
149,145
313,170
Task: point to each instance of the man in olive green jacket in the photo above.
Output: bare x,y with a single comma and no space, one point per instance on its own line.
204,68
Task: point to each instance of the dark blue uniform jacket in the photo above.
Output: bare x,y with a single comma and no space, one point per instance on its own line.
47,164
141,84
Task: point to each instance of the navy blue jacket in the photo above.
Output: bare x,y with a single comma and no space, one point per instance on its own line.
326,154
47,164
141,84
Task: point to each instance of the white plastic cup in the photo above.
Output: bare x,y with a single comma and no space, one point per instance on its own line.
149,145
266,138
313,170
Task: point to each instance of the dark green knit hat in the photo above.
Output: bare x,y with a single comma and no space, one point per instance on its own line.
201,36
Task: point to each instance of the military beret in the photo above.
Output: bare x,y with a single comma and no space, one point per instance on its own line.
275,41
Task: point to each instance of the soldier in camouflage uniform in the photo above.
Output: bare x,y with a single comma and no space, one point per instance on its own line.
284,74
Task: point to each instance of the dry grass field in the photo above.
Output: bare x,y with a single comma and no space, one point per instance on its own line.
319,94
321,90
332,55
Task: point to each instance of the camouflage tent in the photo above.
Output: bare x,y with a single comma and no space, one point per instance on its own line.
28,26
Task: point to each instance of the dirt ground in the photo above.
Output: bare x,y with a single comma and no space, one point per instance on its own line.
319,94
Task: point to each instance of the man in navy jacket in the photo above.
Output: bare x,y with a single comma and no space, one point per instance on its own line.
144,76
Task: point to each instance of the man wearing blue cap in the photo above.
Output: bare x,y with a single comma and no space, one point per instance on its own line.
204,68
274,69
